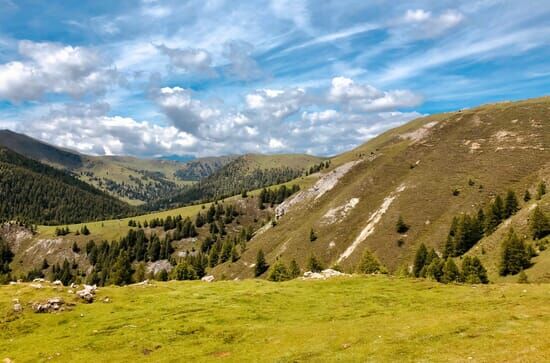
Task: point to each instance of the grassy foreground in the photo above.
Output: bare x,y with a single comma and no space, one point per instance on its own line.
343,319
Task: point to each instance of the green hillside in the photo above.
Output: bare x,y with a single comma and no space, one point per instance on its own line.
245,173
428,171
131,179
347,319
36,193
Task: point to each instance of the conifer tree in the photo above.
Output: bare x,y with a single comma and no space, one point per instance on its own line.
435,269
541,190
294,269
401,226
526,196
511,204
261,264
473,271
369,264
539,224
314,265
514,256
450,272
122,270
420,260
278,272
312,235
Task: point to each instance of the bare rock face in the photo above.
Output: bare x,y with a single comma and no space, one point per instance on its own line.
88,293
323,275
53,304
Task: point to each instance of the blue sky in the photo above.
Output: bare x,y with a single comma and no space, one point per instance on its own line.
214,77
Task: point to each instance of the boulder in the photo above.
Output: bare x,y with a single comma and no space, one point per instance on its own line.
57,283
208,278
88,293
323,275
17,308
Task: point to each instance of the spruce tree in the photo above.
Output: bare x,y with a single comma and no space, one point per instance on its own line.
400,226
294,269
473,271
541,190
314,265
514,256
261,264
312,235
369,264
435,269
450,272
420,260
278,272
511,204
539,224
122,270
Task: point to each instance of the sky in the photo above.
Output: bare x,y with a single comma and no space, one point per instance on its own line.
153,78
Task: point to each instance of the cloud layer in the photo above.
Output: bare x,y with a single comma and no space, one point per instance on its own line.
218,77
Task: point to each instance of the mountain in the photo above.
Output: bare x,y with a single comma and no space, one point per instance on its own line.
40,151
244,173
428,171
131,179
37,193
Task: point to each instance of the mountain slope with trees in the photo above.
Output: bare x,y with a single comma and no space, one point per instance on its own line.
423,175
37,193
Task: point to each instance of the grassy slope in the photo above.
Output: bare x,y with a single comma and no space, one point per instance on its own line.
445,161
345,319
489,249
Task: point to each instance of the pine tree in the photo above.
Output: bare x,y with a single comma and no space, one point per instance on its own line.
539,224
312,235
522,277
261,264
278,272
526,196
75,248
401,227
541,190
369,264
450,272
314,265
139,274
473,271
511,204
515,256
435,269
294,269
85,231
162,275
122,270
420,260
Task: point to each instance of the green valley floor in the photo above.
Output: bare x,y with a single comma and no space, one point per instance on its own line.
344,319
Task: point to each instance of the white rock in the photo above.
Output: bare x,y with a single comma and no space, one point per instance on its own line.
208,278
36,286
17,308
57,283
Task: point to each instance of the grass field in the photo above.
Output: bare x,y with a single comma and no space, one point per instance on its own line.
344,319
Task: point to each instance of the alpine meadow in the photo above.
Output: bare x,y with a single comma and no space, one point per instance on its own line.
274,181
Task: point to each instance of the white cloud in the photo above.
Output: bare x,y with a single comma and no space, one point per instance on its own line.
417,15
364,97
87,129
420,23
241,63
189,59
185,113
54,68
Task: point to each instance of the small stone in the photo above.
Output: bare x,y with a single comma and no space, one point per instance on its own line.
17,308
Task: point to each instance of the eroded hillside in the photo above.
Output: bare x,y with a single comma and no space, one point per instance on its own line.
427,171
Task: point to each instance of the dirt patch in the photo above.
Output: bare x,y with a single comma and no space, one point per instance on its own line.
371,223
326,183
419,134
338,214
